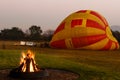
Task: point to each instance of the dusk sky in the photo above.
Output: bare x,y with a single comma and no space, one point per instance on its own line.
49,13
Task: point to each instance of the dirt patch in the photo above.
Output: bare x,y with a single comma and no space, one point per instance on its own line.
54,74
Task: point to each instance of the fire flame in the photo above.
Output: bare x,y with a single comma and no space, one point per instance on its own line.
27,62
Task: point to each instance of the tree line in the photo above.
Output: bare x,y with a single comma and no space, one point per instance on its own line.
34,33
116,34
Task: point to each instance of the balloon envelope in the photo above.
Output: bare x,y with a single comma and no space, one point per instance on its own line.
84,29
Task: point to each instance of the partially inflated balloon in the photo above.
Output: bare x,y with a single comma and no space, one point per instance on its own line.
85,29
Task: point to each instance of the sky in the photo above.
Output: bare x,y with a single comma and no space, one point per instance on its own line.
49,13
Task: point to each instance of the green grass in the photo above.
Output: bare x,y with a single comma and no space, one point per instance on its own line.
91,65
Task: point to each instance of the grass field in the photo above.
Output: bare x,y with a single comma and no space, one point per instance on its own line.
91,65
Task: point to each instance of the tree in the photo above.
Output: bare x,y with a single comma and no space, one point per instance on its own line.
12,34
35,32
116,34
47,35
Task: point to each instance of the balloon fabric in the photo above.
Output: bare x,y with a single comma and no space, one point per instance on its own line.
84,29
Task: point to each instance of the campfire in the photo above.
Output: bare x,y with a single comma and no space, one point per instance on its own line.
28,67
27,63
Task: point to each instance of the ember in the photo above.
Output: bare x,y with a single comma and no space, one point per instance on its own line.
28,67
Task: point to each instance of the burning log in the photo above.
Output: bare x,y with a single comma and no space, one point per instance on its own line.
28,67
27,63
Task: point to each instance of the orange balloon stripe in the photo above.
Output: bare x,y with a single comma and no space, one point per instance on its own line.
98,45
77,32
82,11
85,41
58,44
91,23
60,27
117,45
98,15
95,14
108,45
76,22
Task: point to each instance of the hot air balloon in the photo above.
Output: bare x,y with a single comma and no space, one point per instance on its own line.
84,29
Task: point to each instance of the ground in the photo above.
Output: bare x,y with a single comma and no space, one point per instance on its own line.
90,65
53,74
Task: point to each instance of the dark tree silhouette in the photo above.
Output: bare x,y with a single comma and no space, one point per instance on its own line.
35,32
116,34
47,35
12,34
